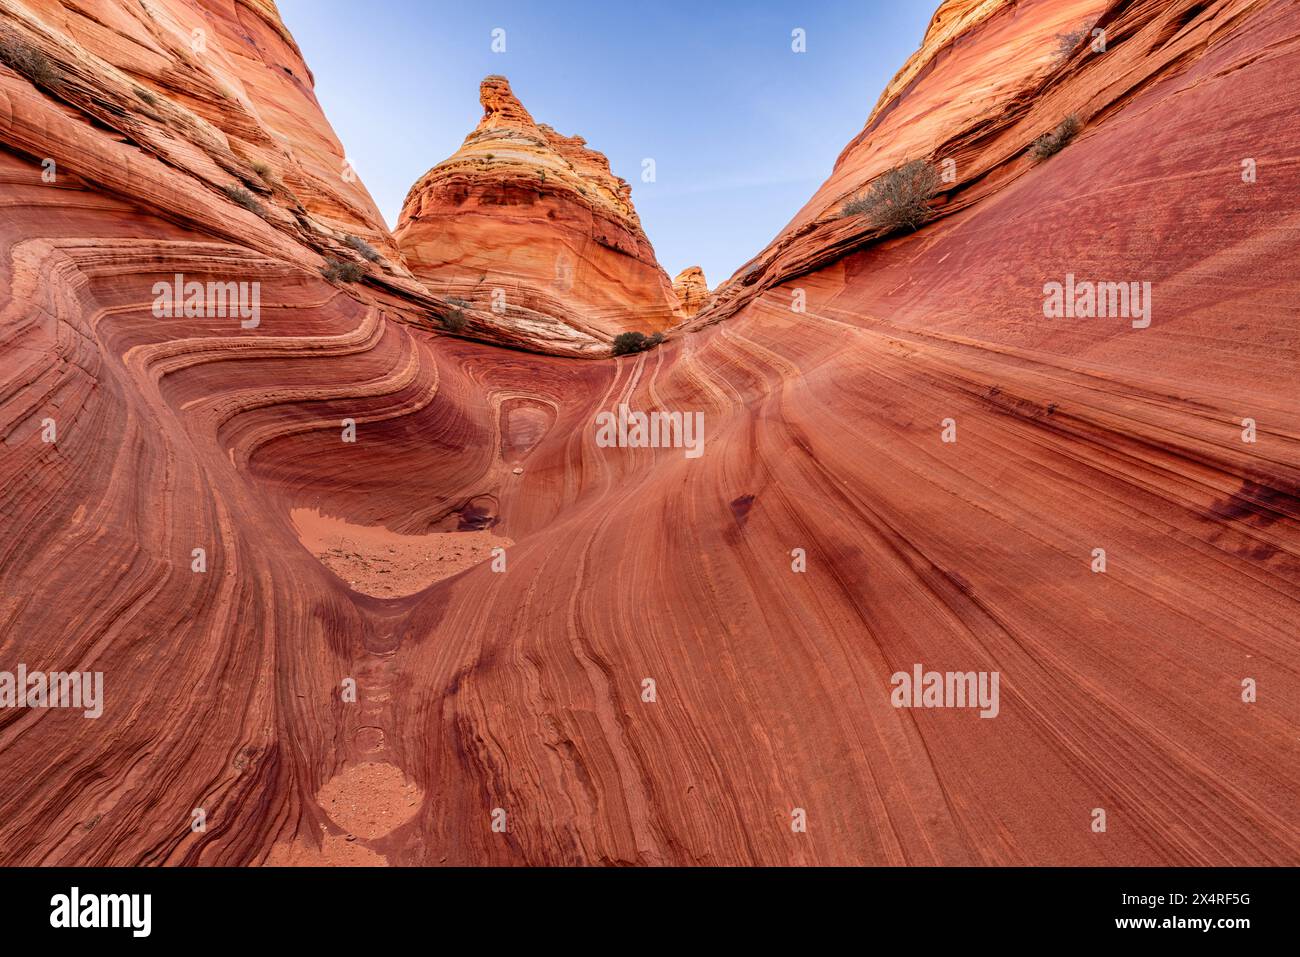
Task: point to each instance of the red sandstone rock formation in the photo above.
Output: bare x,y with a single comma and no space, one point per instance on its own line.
692,290
986,82
533,228
199,100
316,715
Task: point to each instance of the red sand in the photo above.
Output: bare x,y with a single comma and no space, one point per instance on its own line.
384,564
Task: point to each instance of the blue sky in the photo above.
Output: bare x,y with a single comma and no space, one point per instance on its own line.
742,130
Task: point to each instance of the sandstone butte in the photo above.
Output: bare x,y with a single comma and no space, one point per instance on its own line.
692,290
530,225
328,561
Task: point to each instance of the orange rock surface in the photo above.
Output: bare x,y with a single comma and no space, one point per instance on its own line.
533,228
692,290
826,539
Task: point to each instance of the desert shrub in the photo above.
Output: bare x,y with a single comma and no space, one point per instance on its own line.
898,199
366,250
145,95
1067,42
261,169
30,62
242,197
627,343
454,319
338,271
1052,143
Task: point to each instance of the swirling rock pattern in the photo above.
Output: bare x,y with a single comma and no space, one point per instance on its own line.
502,715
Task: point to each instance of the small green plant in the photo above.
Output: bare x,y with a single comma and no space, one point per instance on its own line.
242,197
898,199
627,343
338,271
366,250
145,95
1049,144
30,62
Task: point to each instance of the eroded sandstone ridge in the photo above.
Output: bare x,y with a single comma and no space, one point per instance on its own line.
201,114
208,513
988,79
532,226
